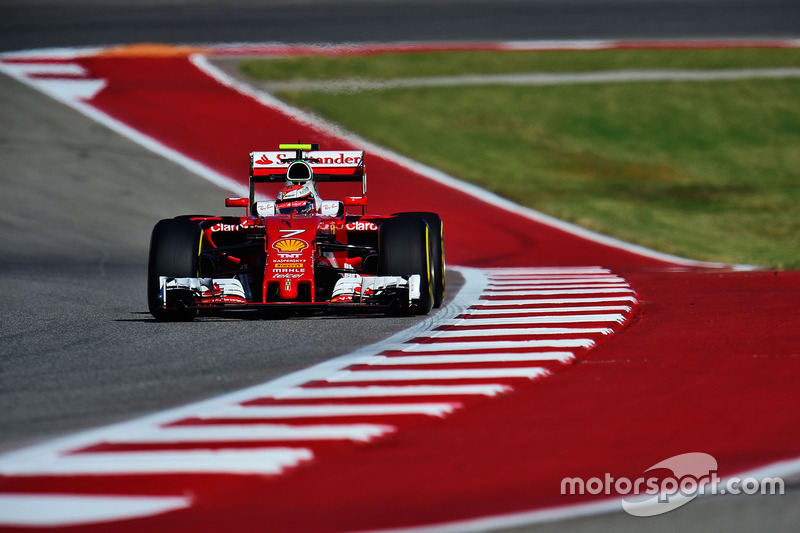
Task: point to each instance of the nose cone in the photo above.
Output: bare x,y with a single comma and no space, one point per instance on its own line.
288,290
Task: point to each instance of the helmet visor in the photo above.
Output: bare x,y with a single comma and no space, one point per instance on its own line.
295,207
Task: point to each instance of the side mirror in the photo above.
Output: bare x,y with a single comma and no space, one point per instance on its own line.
355,201
237,202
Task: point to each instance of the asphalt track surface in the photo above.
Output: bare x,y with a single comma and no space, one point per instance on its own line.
51,23
78,348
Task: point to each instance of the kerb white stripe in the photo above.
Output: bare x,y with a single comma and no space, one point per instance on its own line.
422,375
549,310
499,345
551,301
255,432
510,332
541,292
261,461
49,69
314,411
491,389
554,319
565,271
520,286
48,510
469,358
70,90
554,279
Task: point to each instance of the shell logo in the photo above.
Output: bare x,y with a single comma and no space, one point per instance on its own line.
290,245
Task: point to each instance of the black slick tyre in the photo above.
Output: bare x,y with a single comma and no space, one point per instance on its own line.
175,253
436,242
404,250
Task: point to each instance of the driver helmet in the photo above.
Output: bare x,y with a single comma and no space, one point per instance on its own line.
295,199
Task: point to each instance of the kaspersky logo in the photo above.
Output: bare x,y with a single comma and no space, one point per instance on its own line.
670,484
290,245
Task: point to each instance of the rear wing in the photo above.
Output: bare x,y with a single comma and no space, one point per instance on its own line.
326,166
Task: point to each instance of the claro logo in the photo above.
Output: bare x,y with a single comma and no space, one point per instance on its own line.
290,245
226,227
361,226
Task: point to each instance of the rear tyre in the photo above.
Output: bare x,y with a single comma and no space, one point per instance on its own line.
404,246
436,241
175,253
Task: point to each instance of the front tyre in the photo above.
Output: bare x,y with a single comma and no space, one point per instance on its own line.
436,242
175,253
404,250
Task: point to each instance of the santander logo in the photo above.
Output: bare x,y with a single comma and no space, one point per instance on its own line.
264,160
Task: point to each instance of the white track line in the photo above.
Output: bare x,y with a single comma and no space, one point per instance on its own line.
532,79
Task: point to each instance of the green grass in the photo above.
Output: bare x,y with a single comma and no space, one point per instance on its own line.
707,170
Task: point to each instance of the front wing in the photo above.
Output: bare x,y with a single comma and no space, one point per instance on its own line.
351,291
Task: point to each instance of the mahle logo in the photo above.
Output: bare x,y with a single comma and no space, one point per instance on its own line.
687,476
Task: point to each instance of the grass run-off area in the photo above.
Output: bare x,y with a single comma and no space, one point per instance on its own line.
708,170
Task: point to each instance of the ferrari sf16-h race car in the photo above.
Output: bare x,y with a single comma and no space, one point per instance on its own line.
295,250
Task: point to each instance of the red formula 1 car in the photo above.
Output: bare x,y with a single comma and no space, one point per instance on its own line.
296,250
